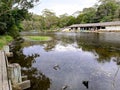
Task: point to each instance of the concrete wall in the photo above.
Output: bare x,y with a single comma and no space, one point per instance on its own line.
112,28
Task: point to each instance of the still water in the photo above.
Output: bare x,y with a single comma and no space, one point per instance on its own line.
71,61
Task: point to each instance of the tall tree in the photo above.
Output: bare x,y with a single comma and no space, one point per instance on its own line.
71,20
117,12
87,15
12,12
66,20
50,19
106,10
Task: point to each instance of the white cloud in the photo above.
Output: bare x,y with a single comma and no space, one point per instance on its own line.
63,6
61,9
69,47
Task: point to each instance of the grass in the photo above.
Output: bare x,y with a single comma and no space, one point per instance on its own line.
38,38
4,40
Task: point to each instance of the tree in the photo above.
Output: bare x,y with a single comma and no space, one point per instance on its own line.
117,12
86,16
50,18
106,10
71,20
66,20
12,12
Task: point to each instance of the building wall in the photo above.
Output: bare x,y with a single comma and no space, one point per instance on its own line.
112,28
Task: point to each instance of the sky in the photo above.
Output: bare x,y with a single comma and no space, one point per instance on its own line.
62,6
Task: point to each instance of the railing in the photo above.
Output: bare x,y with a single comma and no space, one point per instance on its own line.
14,73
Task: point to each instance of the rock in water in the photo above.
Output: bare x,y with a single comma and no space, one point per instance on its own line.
56,67
86,84
64,87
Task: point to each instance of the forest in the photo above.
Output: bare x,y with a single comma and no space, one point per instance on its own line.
103,11
14,16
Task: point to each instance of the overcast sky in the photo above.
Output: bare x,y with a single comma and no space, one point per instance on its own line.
63,6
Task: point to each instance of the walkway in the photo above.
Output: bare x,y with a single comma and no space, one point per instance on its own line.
4,82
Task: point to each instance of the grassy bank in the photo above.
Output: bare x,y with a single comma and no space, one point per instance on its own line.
37,38
4,40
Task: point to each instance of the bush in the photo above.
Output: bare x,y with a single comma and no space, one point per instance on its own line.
5,40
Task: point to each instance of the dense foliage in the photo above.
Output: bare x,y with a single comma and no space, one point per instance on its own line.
12,12
104,11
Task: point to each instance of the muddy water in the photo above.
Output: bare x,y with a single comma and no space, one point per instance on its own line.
71,61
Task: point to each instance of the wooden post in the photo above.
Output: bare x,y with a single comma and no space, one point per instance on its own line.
25,84
14,72
7,51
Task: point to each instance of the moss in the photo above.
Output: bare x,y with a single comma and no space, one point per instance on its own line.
5,40
38,38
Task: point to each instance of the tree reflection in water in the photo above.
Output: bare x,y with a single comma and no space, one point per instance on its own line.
93,42
103,50
19,57
38,80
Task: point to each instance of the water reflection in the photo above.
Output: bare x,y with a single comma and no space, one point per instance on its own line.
72,61
104,45
19,57
67,47
38,80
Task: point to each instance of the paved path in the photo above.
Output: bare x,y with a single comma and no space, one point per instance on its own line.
4,82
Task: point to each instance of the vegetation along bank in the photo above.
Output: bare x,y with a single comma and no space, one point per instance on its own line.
5,40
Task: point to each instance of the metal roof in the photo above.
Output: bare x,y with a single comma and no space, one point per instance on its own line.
115,23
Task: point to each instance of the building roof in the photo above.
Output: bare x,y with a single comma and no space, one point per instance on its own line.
115,23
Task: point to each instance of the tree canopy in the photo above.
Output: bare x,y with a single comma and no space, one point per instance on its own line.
12,12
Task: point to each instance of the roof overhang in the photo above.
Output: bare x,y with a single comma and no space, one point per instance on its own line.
115,23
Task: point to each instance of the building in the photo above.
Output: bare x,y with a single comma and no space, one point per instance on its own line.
104,26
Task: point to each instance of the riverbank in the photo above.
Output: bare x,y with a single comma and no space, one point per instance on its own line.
4,40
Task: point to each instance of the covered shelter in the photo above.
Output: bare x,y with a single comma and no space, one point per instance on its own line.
110,26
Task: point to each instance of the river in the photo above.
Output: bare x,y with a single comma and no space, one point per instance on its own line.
71,61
